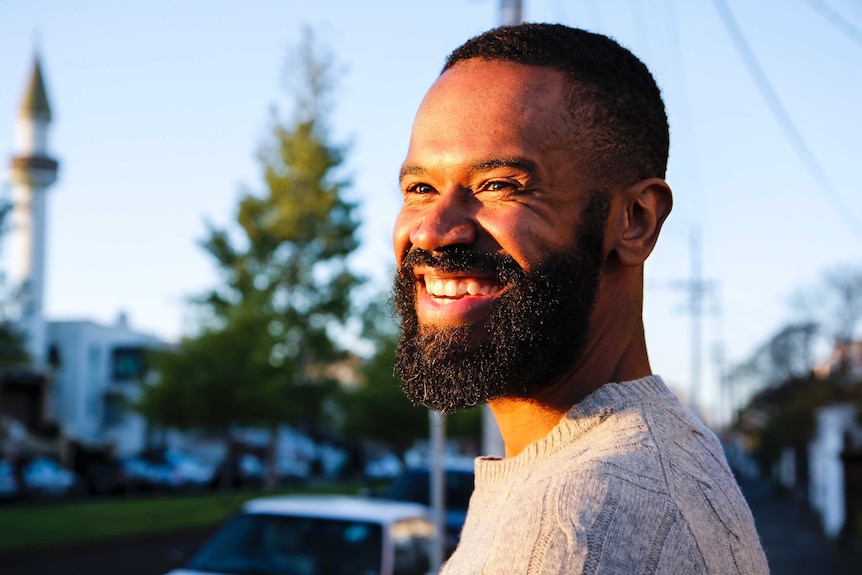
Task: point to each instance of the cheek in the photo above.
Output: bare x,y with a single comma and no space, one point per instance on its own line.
401,236
529,241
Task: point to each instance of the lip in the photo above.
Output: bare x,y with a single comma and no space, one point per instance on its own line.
469,304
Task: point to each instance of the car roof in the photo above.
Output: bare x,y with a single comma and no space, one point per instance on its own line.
345,507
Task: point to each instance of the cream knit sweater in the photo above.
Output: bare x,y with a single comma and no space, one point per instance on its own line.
628,482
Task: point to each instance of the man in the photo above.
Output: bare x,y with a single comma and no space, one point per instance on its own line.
533,193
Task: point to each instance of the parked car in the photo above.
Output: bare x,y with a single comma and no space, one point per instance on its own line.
166,470
239,471
326,535
415,485
387,466
99,478
293,471
9,488
187,470
45,477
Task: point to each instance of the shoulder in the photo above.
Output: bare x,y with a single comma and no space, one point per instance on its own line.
653,475
637,519
641,428
656,450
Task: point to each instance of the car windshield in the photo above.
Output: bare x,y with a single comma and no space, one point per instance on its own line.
257,544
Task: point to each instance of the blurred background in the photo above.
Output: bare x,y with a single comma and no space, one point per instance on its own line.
197,250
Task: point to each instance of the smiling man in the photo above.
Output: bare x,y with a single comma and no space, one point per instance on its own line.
533,194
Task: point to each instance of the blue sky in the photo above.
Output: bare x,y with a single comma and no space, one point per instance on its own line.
160,106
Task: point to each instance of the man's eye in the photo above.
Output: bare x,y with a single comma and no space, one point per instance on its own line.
499,186
419,189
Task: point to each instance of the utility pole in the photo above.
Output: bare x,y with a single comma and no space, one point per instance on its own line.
697,289
437,484
510,12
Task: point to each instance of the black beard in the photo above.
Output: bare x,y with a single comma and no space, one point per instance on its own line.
536,330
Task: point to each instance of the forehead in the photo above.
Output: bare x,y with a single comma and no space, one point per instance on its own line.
473,80
480,101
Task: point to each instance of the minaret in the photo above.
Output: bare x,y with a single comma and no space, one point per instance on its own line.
32,171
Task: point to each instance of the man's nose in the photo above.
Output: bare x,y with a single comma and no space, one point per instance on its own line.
448,221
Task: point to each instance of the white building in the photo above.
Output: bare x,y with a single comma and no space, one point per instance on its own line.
826,489
96,378
32,171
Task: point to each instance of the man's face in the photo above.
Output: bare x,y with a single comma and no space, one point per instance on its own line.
499,240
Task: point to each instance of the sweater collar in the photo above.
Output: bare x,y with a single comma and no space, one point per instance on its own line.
577,421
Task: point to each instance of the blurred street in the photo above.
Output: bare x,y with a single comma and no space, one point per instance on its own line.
791,536
145,555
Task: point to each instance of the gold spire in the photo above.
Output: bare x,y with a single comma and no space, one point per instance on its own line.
35,104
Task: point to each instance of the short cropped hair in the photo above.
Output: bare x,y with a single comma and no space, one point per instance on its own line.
621,131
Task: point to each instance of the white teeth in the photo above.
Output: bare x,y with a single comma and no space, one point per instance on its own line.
456,287
475,288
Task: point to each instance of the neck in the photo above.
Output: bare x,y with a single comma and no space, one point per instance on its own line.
616,352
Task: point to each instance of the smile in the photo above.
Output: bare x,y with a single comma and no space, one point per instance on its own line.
453,298
457,287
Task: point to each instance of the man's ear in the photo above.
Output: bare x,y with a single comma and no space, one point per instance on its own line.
637,214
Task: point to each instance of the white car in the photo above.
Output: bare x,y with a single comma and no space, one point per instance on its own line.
319,535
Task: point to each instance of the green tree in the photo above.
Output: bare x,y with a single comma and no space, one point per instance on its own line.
780,375
783,415
377,408
834,303
13,352
266,331
14,359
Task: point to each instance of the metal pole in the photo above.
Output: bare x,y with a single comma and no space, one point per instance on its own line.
437,486
510,12
696,294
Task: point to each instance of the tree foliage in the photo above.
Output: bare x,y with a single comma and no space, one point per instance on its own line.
788,391
13,352
377,410
788,354
783,415
266,330
834,303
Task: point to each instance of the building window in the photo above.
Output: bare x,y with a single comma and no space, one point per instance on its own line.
94,376
127,363
55,358
114,409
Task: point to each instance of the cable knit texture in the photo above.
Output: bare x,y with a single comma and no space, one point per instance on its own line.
628,482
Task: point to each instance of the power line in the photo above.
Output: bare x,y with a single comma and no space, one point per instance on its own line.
775,106
837,20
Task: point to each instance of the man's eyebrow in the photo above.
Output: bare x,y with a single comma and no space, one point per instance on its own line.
411,170
521,164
